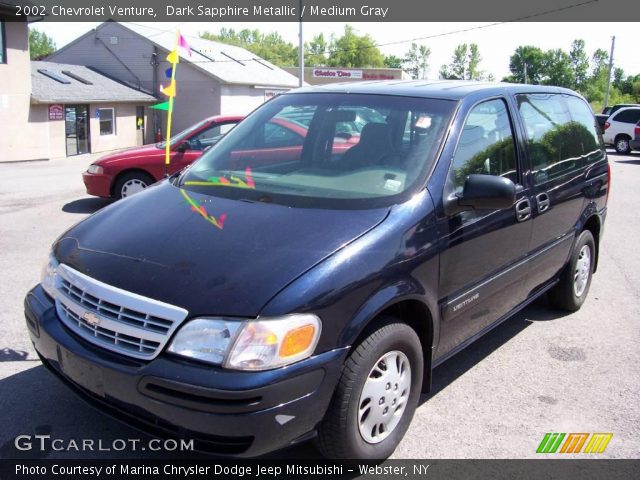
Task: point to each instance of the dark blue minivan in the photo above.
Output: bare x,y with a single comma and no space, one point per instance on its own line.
304,277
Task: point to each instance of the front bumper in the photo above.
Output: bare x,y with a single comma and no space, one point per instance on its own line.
98,185
224,412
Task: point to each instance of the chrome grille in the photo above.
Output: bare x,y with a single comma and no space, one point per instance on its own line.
116,312
109,337
113,318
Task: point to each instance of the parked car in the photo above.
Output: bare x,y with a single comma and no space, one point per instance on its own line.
619,129
635,142
124,173
613,109
602,120
251,306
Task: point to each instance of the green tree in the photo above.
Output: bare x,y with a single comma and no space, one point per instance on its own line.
600,66
40,45
529,59
635,89
464,64
270,46
315,51
391,61
557,69
579,63
416,60
353,50
474,59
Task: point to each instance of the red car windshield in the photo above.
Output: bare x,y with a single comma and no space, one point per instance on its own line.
183,134
322,149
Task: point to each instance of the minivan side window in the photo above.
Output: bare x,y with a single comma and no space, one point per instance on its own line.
548,125
585,133
631,115
486,145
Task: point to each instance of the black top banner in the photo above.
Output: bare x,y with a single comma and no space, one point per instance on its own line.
320,10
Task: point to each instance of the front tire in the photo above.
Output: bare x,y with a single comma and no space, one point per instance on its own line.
571,292
131,183
622,145
376,397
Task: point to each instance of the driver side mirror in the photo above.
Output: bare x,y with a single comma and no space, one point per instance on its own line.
483,192
183,147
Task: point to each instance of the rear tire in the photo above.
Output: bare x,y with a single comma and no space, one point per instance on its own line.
368,423
622,145
131,183
571,292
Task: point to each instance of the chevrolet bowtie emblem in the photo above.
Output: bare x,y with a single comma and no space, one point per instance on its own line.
91,318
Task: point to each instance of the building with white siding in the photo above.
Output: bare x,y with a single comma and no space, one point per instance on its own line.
51,110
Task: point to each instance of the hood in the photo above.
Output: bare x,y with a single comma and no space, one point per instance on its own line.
145,151
157,245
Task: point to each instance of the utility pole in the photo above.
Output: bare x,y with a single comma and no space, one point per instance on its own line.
525,72
300,51
606,95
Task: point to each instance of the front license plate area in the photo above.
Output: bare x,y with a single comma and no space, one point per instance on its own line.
81,372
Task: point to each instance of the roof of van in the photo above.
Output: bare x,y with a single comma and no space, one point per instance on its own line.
446,89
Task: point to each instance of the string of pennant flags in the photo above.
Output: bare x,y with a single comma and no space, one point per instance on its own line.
170,91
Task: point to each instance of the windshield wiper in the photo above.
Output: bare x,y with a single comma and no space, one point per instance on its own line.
261,199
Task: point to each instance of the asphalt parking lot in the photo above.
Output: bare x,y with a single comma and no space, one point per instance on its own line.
541,371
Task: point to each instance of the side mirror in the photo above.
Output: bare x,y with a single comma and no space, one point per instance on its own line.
487,192
483,192
183,147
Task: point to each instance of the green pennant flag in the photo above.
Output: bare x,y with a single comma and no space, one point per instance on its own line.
161,106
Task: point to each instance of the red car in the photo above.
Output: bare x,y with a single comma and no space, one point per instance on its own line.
124,173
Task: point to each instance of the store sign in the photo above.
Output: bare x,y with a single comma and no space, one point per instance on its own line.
336,73
56,112
380,76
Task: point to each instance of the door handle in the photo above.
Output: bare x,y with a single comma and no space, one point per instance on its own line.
523,210
543,201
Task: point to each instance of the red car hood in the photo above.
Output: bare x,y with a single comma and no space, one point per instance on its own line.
146,151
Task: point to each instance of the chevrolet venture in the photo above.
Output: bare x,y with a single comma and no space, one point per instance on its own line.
253,302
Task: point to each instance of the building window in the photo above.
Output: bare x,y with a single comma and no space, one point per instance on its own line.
107,123
3,49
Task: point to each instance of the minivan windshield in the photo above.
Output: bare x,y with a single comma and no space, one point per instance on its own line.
326,150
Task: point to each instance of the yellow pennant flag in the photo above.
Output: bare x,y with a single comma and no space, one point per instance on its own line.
173,57
169,91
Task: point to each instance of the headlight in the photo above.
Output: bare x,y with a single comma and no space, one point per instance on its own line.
95,169
249,345
48,277
205,339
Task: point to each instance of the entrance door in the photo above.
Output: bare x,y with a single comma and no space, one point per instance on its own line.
76,129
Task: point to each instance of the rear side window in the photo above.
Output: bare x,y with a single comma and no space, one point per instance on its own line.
486,145
584,131
628,116
549,128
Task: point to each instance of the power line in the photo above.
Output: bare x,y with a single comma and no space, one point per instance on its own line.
377,45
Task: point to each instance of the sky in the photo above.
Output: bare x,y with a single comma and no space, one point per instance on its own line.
496,42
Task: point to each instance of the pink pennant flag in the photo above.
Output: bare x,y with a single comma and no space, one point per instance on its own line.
182,42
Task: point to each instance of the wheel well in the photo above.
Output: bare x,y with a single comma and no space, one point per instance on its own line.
126,172
415,314
622,135
593,225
